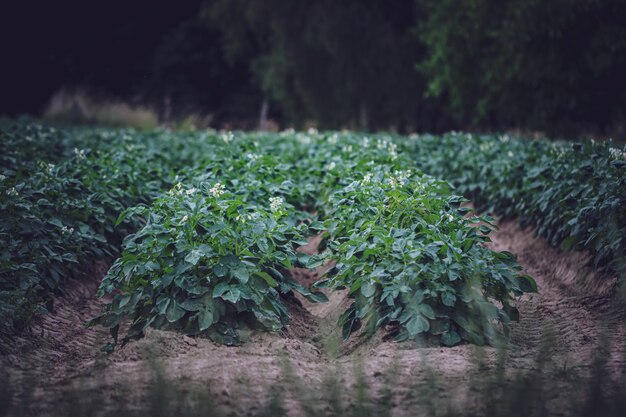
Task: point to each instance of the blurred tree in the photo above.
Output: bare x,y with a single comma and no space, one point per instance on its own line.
557,66
427,65
338,63
190,71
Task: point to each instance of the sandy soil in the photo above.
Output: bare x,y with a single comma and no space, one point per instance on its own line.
574,307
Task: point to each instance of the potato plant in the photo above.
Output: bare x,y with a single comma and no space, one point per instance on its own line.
210,223
211,258
61,191
411,259
573,193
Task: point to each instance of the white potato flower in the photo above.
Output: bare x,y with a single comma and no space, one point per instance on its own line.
67,231
367,179
242,218
276,204
227,137
393,182
616,153
80,153
217,190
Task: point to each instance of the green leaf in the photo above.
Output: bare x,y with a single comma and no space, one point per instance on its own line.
448,299
368,289
418,324
162,304
317,226
418,297
267,277
124,300
193,257
174,312
122,217
427,311
241,273
527,283
205,318
450,338
315,261
220,270
153,266
317,297
323,283
233,295
192,304
220,289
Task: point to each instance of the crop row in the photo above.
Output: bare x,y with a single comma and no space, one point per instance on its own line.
60,194
216,251
573,193
211,223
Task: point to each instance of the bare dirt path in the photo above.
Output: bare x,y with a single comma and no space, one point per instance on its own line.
574,309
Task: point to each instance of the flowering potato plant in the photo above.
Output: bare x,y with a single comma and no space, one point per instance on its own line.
206,227
208,260
573,193
61,191
411,259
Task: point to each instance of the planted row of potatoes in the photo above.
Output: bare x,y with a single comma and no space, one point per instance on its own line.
61,191
215,253
211,221
573,193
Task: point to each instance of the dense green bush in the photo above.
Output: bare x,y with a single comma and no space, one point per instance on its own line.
574,194
553,66
60,194
213,258
429,65
218,217
63,190
410,258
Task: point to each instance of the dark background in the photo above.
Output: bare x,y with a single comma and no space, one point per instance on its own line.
558,66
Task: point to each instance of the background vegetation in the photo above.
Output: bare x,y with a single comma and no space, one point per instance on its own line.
555,67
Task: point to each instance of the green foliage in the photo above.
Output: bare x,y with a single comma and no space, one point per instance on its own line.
213,220
409,65
573,193
211,259
555,66
59,212
431,65
410,259
230,255
332,63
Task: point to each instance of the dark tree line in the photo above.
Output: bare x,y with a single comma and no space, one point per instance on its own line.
557,66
